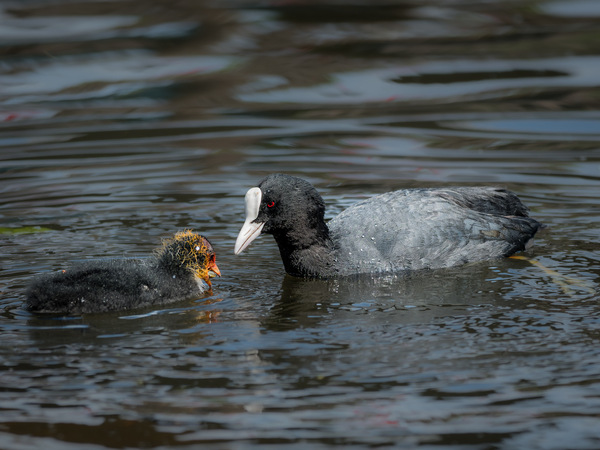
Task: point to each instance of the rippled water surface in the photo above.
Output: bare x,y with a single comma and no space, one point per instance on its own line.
124,121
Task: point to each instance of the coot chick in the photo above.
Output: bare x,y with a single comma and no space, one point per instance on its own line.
181,269
404,230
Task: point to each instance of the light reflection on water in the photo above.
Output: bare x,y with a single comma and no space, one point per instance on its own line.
121,126
476,78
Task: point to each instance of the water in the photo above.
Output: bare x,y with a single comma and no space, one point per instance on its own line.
122,123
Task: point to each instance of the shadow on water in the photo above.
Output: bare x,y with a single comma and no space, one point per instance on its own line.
398,298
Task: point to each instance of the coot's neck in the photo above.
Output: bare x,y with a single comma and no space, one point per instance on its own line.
169,262
306,251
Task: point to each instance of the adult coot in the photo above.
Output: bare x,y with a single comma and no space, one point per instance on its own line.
409,229
180,269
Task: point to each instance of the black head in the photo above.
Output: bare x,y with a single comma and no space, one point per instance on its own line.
287,207
288,202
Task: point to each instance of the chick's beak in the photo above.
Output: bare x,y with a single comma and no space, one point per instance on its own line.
210,272
213,270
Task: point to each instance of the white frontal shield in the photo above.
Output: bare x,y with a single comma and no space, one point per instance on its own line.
250,230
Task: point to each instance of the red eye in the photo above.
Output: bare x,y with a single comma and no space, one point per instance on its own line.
270,204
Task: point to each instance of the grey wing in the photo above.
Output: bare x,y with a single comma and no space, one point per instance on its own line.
490,200
417,229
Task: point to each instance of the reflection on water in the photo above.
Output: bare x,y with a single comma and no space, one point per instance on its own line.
443,81
115,74
120,124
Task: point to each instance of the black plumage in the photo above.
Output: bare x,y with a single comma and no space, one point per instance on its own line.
408,229
180,269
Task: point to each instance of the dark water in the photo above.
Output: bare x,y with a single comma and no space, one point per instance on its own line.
122,122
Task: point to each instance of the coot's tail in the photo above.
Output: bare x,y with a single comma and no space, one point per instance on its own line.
518,229
520,232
